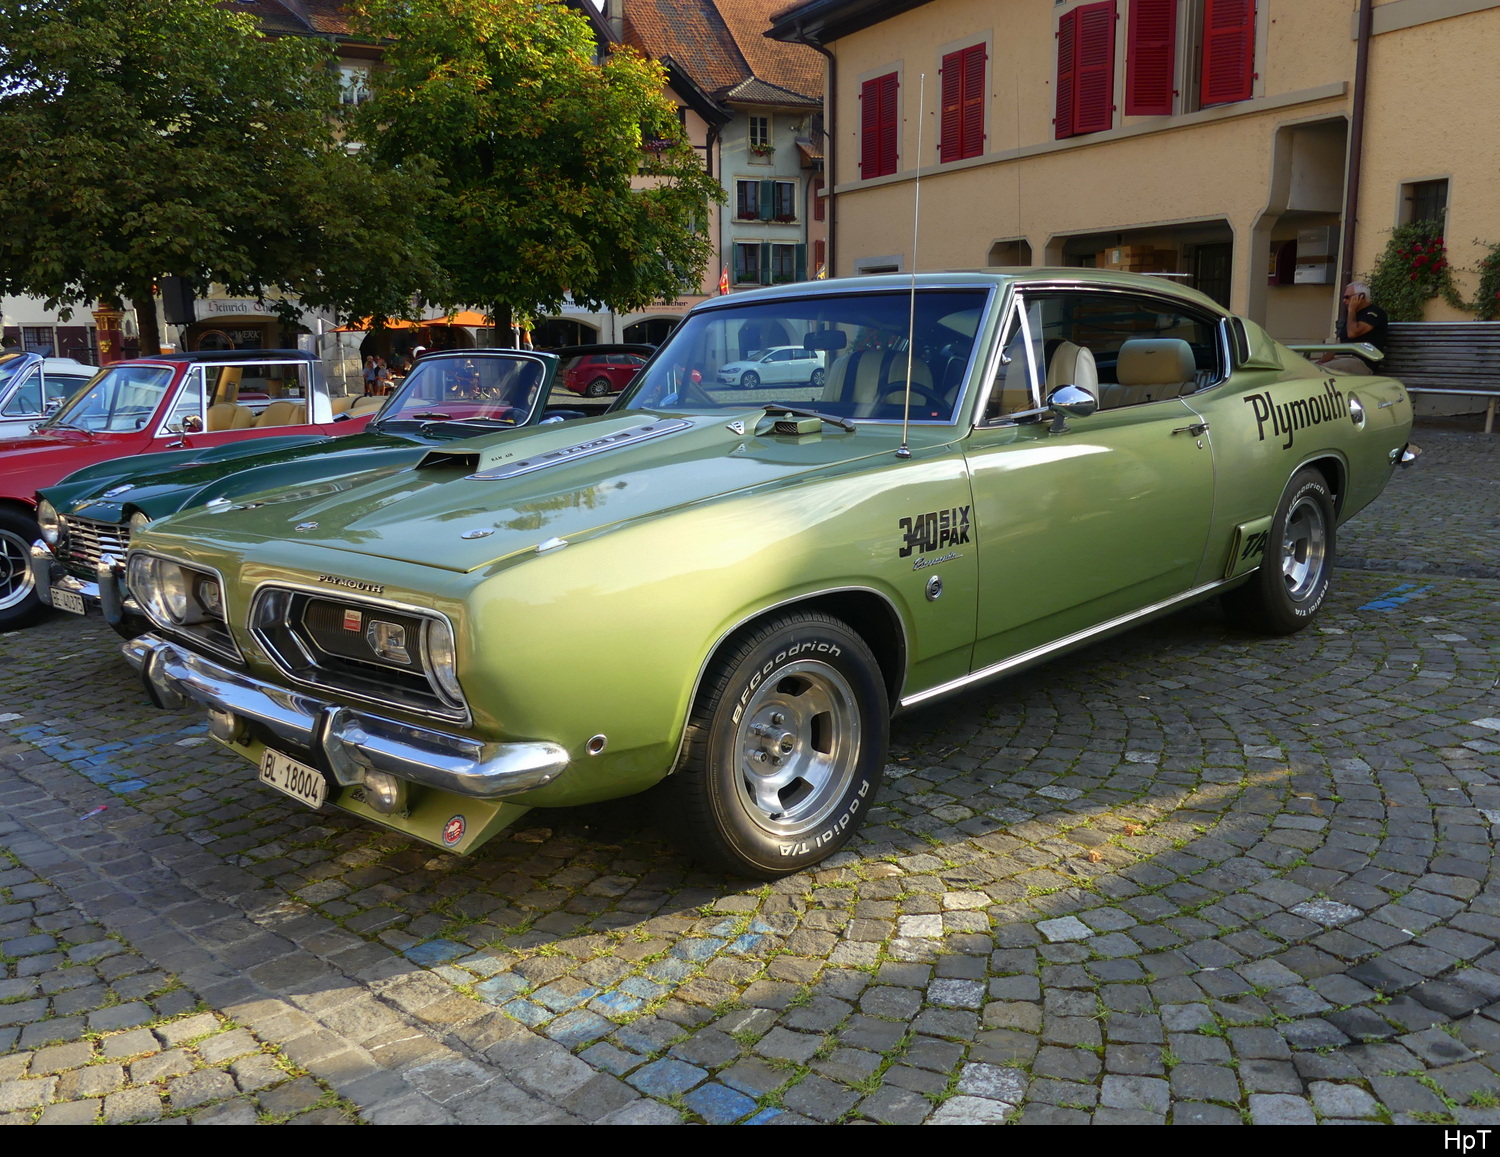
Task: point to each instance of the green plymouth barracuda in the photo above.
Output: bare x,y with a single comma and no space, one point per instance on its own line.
730,598
88,518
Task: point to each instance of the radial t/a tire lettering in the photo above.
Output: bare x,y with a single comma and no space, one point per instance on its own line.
786,748
1288,590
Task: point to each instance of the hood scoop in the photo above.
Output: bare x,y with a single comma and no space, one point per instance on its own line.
635,434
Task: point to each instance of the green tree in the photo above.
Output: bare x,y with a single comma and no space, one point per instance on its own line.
142,138
547,187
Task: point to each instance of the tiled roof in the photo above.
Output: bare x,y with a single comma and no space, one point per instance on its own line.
719,43
297,17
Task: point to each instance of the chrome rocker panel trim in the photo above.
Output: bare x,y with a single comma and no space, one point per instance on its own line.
352,741
1078,638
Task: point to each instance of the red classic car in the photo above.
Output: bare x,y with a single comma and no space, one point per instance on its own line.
168,402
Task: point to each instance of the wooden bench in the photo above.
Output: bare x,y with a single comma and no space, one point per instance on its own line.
1447,357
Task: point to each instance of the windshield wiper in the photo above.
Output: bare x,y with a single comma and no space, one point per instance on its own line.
797,412
429,415
479,421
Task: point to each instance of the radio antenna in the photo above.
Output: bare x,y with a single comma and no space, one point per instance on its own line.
904,451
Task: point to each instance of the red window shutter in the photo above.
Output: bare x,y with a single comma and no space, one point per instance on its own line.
878,157
973,102
1067,50
1151,58
950,138
1228,51
1094,70
962,132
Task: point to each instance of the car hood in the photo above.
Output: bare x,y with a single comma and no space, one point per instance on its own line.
162,484
475,503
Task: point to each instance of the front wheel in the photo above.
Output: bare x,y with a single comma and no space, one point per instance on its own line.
750,380
597,388
19,604
1288,590
819,376
786,748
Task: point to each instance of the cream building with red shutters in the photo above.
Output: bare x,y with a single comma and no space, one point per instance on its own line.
1232,145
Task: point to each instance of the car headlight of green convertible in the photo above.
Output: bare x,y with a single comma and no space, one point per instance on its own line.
48,521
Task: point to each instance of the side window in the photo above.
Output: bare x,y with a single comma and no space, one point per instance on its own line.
1128,350
58,388
26,402
1014,388
188,408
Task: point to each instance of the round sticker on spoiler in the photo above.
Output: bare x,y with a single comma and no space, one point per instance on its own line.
453,830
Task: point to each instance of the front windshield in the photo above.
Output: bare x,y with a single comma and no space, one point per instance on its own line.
845,354
120,399
485,389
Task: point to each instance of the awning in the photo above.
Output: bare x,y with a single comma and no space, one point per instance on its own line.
462,317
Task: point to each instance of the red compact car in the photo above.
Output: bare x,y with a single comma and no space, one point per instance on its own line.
600,370
168,402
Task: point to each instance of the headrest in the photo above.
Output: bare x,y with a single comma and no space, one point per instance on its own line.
1154,361
1072,365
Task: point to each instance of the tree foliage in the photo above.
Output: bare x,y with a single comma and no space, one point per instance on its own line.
141,138
548,190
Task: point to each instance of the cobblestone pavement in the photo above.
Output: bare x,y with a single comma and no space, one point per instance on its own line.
1187,876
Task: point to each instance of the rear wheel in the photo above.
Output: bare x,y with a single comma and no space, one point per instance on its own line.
597,388
750,380
786,748
19,604
817,379
1288,590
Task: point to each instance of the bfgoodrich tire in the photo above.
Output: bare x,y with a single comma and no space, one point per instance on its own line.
1288,590
786,748
19,604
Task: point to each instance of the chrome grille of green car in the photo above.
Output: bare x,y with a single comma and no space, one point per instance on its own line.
365,649
84,540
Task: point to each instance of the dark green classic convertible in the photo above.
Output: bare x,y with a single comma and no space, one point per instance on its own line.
731,589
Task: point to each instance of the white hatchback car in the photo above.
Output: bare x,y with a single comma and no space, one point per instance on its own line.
32,386
788,363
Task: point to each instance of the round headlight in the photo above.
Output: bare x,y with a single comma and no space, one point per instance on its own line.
51,525
139,521
173,584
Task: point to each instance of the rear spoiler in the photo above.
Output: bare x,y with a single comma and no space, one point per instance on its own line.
1361,349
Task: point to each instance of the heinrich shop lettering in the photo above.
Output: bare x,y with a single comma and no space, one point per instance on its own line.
1286,418
935,530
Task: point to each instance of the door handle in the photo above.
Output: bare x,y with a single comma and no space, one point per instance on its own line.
1195,429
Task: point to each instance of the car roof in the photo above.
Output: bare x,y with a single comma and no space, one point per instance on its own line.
199,356
992,278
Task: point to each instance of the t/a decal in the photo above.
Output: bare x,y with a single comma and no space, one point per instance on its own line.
1289,417
1255,545
935,530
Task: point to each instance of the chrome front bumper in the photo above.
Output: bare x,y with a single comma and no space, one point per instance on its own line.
352,742
107,591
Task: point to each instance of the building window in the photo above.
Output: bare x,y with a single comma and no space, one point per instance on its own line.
963,104
354,84
747,200
765,200
1424,201
760,137
764,263
1151,58
1228,52
1085,70
819,199
747,264
877,114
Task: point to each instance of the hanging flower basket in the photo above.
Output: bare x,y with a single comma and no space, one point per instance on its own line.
760,149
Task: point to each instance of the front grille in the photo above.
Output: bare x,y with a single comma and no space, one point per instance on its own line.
84,540
364,649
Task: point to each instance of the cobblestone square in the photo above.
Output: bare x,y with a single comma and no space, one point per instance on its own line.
1185,876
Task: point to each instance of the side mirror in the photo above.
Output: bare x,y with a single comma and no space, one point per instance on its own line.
1069,402
192,424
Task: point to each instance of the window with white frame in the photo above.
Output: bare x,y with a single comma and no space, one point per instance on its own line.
760,136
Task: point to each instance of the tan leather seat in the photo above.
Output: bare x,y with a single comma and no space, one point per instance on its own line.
1072,365
229,416
870,378
282,413
366,405
341,404
1148,370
